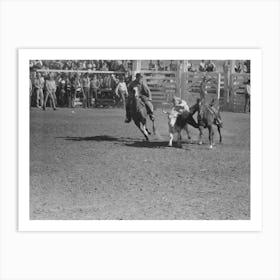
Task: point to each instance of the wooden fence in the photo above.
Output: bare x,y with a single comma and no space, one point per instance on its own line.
163,85
238,89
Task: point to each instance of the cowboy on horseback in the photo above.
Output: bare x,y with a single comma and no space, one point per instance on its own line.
144,95
202,104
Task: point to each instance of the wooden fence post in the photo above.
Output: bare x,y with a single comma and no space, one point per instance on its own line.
136,67
184,79
219,86
178,79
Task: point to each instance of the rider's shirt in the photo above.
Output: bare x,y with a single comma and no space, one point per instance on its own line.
180,105
143,88
203,91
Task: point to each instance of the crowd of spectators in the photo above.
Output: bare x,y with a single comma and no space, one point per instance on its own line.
70,86
242,67
94,65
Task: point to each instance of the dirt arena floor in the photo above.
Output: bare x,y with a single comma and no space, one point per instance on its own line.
89,164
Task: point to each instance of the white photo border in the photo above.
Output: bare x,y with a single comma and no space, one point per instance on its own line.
255,222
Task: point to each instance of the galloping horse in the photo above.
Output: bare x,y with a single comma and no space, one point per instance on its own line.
206,118
139,113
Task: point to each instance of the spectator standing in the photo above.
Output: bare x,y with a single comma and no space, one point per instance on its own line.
247,66
62,97
173,66
160,65
104,67
190,67
107,82
50,91
76,89
68,91
211,67
85,83
39,85
74,83
30,90
238,68
121,90
202,66
247,96
94,87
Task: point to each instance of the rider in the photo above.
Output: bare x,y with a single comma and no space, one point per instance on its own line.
179,105
145,96
201,103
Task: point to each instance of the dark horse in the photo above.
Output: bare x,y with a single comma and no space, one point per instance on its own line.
139,113
207,117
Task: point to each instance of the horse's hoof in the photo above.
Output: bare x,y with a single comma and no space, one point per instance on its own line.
200,143
211,147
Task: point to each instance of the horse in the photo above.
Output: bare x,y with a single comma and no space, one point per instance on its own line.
139,113
207,117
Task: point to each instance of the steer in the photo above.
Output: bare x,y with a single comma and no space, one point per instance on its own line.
177,122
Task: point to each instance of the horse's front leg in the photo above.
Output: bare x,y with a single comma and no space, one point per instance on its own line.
219,130
144,131
211,135
200,135
187,131
179,144
171,137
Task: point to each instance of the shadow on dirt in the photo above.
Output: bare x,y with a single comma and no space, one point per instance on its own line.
129,142
153,144
98,138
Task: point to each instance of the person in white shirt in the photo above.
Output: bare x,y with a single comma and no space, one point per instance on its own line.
121,91
39,83
50,91
202,66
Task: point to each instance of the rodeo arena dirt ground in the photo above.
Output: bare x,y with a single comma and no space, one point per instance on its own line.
89,164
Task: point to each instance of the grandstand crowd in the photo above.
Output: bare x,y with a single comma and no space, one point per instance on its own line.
63,88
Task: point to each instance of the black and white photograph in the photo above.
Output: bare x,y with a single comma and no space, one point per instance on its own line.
140,139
